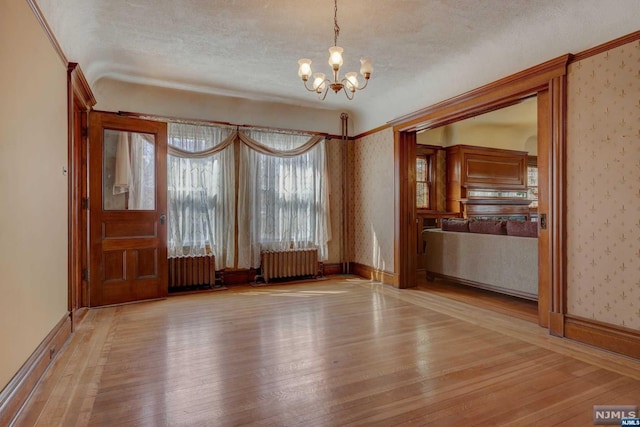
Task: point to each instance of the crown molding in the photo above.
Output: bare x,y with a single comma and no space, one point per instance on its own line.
47,29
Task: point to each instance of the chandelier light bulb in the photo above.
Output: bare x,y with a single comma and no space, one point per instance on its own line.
335,57
366,67
352,81
318,82
305,68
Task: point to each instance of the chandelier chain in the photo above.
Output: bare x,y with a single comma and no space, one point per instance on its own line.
336,27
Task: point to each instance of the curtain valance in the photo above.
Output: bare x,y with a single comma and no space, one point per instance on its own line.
209,140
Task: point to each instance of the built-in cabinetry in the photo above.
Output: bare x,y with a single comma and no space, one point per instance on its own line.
487,182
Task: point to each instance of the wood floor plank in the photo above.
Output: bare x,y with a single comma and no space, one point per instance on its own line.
338,352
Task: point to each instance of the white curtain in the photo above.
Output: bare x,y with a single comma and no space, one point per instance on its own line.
142,185
122,174
283,199
201,192
135,170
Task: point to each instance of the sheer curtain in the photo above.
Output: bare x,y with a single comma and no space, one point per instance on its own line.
201,192
283,199
135,170
142,183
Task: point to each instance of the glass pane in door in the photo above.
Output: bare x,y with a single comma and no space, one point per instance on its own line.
128,176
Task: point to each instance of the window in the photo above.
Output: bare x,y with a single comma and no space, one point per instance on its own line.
532,180
279,183
201,192
424,178
284,200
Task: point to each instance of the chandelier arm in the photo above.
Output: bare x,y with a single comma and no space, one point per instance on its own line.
345,82
326,90
310,89
326,84
366,82
348,93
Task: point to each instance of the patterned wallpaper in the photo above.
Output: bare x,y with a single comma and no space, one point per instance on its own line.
603,187
371,236
334,162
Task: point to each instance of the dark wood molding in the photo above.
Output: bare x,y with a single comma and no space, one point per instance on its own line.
372,131
215,123
610,337
556,324
80,86
329,269
507,91
405,238
372,273
332,137
80,100
545,254
45,26
237,277
557,208
16,393
629,38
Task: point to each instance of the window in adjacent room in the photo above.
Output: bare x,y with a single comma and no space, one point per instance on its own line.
532,180
424,179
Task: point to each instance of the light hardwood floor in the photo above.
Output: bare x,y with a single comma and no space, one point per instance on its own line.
344,351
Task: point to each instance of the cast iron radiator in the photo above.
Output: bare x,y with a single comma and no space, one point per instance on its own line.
189,271
289,263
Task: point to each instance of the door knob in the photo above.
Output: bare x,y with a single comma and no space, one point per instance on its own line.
163,218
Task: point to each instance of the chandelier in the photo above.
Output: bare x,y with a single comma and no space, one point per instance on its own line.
349,83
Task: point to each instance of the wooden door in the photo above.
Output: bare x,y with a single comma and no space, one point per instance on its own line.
127,202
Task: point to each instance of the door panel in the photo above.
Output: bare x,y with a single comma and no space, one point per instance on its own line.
128,235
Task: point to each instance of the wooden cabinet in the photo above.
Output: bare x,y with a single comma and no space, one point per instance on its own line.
511,208
497,177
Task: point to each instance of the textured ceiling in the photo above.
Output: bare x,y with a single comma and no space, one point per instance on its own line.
423,51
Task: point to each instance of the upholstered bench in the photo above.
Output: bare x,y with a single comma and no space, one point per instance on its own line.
498,262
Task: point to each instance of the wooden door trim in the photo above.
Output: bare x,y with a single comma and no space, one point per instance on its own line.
557,205
549,76
544,181
404,244
80,100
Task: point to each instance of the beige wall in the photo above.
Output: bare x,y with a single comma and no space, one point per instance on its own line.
371,211
334,164
509,128
603,187
33,190
506,137
112,95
